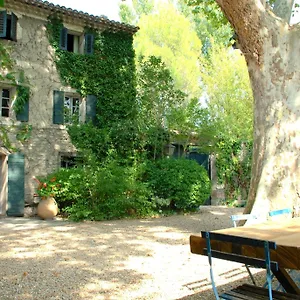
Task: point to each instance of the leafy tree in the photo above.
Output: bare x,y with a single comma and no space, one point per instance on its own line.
158,99
209,23
131,13
224,75
271,47
169,35
166,33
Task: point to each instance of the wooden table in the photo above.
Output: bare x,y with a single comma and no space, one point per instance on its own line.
286,235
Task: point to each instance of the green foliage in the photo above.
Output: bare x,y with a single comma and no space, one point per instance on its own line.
210,8
98,192
158,100
109,73
24,132
183,182
230,103
6,63
4,138
23,93
170,35
131,13
47,187
234,168
229,128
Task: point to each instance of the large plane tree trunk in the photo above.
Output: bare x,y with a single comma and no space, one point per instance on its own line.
272,51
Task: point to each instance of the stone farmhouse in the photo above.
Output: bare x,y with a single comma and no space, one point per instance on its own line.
50,105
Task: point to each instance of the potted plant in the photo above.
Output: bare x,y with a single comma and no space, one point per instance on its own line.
46,190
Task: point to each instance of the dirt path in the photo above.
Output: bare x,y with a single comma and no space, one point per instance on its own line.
124,259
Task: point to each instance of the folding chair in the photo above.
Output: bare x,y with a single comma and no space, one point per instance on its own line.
235,219
244,291
295,274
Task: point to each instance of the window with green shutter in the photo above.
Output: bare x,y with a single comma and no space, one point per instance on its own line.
58,107
73,41
63,38
66,107
23,115
8,26
89,43
91,105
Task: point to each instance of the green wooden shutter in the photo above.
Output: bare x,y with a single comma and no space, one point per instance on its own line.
3,19
58,107
63,38
23,116
16,188
91,104
89,43
13,29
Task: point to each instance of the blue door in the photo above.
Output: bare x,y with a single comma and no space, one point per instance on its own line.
16,190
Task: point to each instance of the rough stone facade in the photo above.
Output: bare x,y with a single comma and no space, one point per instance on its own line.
33,55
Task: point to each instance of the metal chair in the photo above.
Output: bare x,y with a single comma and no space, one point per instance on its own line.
295,274
245,217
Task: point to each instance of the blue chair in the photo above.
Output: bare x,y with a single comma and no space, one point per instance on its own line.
279,212
295,274
244,291
245,217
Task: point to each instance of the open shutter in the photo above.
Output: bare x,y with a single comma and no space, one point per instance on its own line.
16,189
63,39
58,107
23,115
13,29
89,43
91,104
3,19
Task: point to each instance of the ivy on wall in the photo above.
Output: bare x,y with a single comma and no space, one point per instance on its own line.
108,73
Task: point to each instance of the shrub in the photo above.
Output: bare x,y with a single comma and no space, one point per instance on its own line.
98,192
183,182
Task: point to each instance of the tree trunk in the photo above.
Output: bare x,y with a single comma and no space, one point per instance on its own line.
275,176
272,50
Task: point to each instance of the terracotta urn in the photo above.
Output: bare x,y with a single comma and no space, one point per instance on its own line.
47,208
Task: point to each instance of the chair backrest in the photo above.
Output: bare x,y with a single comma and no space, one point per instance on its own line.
279,212
237,244
236,218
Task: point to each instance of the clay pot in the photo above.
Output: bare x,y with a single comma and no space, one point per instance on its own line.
47,208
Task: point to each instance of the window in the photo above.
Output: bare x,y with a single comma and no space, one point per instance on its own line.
8,26
67,162
73,42
71,109
4,102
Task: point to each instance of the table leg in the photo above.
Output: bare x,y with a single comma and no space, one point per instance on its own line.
286,281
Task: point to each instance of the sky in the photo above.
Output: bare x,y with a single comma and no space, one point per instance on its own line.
109,8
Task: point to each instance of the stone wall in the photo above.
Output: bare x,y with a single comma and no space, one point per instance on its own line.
33,54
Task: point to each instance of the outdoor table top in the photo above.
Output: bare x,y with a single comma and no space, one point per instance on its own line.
286,234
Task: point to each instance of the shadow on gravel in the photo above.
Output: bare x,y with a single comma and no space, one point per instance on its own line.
123,259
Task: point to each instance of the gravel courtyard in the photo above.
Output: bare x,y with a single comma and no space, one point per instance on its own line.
123,259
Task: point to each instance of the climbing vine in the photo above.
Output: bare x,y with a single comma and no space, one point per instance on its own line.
108,73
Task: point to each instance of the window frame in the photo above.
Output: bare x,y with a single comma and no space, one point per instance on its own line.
83,44
9,102
71,113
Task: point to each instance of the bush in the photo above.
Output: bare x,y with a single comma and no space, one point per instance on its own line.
99,192
183,182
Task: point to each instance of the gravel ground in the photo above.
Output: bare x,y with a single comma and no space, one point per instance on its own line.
123,259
